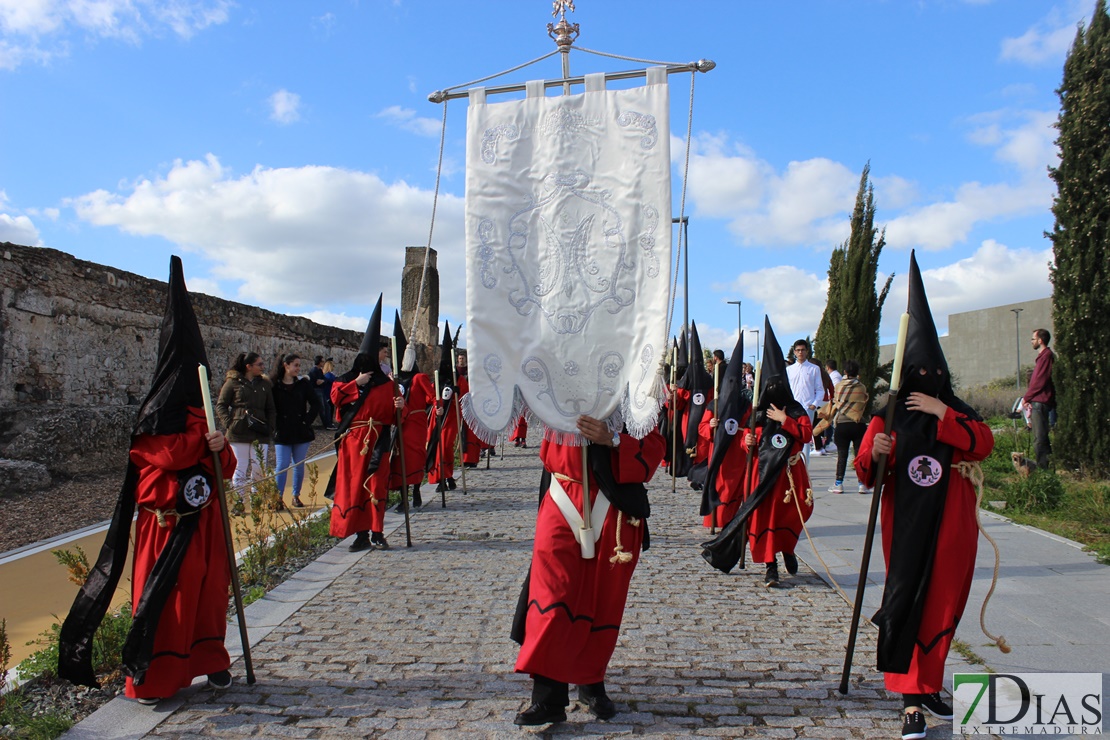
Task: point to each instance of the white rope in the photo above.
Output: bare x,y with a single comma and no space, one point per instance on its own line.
682,206
500,74
431,226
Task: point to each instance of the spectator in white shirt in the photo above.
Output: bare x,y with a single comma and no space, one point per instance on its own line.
805,384
835,377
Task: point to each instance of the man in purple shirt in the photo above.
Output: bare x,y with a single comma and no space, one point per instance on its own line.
1040,397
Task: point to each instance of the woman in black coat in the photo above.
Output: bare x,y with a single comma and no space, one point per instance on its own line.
297,405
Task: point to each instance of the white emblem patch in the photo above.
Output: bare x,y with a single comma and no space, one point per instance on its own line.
197,491
699,399
778,441
447,391
731,426
924,471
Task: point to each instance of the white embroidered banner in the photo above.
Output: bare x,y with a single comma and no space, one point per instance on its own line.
568,233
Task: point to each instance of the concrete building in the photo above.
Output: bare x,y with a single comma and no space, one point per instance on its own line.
985,345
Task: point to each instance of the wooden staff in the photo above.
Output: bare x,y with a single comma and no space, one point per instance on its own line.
221,500
895,383
439,443
587,530
674,419
401,444
458,417
716,418
747,484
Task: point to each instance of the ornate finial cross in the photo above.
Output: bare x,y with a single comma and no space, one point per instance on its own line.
561,7
563,33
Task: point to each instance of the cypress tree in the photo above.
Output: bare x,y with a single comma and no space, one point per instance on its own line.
1081,249
849,328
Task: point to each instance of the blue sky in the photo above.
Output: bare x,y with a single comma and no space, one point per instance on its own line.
287,149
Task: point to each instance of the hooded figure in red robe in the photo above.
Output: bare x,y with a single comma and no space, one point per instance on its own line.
928,516
419,397
569,614
443,428
364,401
723,486
781,499
180,575
674,435
692,398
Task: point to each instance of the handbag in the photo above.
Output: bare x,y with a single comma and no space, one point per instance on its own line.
256,425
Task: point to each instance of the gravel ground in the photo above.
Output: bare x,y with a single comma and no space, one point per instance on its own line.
31,517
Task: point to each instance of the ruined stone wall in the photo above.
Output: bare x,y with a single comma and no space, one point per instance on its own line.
78,342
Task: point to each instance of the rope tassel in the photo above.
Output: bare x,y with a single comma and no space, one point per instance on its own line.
619,553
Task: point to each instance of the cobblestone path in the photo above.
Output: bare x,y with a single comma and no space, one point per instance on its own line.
413,643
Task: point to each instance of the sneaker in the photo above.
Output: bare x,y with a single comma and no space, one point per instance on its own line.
451,484
362,542
837,487
220,680
791,563
771,578
377,540
936,706
913,726
864,489
818,453
149,701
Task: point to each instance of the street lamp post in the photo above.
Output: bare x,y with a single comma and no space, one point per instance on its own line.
1017,337
739,321
758,355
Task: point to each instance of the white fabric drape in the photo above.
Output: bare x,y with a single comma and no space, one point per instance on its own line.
568,243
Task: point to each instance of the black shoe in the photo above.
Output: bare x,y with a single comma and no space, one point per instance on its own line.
441,486
451,484
149,701
540,714
399,508
220,680
772,576
417,502
597,702
470,465
936,706
362,542
377,540
791,563
913,726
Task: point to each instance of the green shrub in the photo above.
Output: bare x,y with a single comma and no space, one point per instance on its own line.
1042,491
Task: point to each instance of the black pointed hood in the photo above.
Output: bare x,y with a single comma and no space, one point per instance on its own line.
774,386
445,364
923,350
732,404
683,355
699,383
367,358
176,385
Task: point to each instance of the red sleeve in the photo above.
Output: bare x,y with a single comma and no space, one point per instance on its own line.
974,438
865,466
343,393
801,429
635,460
174,452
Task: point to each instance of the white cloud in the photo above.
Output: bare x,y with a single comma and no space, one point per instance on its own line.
39,30
792,297
993,276
50,213
205,285
18,230
1048,40
342,320
407,120
306,236
805,204
285,107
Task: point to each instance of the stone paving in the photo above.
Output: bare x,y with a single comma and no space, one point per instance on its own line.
413,643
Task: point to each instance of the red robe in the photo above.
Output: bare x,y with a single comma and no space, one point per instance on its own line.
954,560
414,423
775,525
474,446
359,503
192,626
444,466
730,476
520,431
575,605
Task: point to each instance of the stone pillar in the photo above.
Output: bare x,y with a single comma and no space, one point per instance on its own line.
425,339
